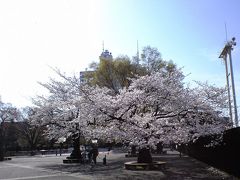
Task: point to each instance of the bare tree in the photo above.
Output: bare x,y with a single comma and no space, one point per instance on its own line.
8,113
33,134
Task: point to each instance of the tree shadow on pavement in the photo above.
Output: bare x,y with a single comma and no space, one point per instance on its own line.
177,168
113,170
188,168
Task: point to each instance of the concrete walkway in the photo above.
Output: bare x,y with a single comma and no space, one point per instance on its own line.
51,167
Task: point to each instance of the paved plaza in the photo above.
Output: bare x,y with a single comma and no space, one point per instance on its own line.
51,167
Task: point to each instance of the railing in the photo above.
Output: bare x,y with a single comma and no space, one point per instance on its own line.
37,152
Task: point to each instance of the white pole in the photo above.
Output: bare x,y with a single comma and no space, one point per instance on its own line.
228,89
233,86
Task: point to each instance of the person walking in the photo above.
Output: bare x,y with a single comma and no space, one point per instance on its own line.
94,154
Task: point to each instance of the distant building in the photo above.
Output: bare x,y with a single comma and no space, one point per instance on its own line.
84,76
106,55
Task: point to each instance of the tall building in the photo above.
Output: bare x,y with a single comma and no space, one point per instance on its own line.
106,55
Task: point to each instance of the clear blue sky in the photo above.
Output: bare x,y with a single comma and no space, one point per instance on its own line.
68,34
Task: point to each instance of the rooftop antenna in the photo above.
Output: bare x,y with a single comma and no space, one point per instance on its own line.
226,32
136,58
102,46
137,50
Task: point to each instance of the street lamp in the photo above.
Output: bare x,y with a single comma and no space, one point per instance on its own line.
227,52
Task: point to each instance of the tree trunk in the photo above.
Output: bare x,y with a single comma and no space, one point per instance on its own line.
76,153
159,148
144,156
32,150
1,144
1,152
133,150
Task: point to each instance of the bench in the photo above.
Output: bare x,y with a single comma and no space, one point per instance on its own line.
134,165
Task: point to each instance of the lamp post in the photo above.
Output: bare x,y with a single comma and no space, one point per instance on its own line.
227,51
228,89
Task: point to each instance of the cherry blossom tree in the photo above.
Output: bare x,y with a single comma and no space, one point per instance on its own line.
156,108
59,111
